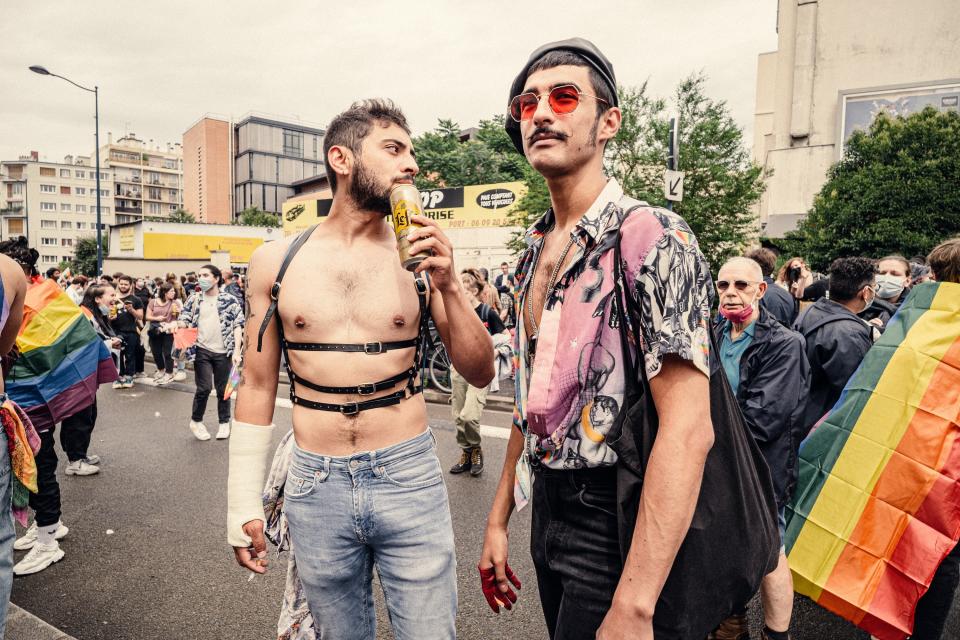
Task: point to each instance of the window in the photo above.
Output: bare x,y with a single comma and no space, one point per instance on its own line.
104,193
17,189
48,242
153,208
48,224
80,191
65,206
80,208
104,210
48,188
66,242
48,171
64,191
64,173
81,226
66,224
293,144
153,193
49,259
66,258
15,227
173,207
48,206
81,174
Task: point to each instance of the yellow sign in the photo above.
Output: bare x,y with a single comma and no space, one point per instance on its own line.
174,246
482,205
128,239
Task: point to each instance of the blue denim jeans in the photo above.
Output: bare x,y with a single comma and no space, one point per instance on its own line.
7,533
386,508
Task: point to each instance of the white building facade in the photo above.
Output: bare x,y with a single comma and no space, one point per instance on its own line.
838,64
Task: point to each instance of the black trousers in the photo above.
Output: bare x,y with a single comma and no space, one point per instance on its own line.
141,356
128,353
46,502
576,553
211,371
934,606
75,432
161,345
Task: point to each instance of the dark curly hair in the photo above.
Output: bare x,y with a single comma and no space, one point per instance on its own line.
19,250
849,275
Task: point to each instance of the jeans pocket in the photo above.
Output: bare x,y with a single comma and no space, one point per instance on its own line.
301,482
602,500
413,473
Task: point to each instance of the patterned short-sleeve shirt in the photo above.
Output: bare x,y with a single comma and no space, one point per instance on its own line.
568,398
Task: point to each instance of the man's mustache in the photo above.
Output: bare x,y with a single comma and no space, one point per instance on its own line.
547,131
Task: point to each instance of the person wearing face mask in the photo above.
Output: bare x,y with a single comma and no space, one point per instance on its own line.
837,339
767,367
218,317
893,285
125,322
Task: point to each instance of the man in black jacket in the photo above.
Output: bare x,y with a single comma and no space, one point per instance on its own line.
837,340
768,370
777,300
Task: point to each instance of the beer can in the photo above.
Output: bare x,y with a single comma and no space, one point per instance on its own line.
405,202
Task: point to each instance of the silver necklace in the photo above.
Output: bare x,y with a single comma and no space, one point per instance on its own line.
532,346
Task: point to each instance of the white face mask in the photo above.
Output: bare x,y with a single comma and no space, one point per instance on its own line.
871,301
889,287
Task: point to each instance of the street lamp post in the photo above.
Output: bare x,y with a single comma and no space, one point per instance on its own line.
96,136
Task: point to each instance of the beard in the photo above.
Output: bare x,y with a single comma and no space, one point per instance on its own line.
367,193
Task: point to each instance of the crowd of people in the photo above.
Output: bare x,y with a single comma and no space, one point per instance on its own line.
610,293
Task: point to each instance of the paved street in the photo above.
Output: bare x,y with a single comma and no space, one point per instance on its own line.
146,556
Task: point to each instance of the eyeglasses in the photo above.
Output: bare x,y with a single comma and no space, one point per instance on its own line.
562,100
739,285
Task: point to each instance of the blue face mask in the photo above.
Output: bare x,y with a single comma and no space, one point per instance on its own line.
104,309
205,284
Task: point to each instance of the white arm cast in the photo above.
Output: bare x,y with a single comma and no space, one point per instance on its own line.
250,446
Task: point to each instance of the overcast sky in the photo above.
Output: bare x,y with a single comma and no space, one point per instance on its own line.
161,66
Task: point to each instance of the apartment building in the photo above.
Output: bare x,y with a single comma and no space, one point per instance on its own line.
148,179
53,204
207,170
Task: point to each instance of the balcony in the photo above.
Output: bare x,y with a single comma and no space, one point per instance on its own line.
126,209
14,211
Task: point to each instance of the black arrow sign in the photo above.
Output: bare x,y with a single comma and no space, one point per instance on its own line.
673,186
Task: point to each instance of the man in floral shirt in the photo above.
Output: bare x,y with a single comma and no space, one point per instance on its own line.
218,318
570,377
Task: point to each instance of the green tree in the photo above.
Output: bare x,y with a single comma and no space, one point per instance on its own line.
721,183
85,255
182,216
895,190
255,217
445,161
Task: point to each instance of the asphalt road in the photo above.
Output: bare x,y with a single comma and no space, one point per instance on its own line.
146,556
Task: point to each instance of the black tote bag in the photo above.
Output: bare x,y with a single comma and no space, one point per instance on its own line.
733,540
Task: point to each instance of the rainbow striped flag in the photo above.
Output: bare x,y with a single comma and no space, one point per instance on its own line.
62,359
877,504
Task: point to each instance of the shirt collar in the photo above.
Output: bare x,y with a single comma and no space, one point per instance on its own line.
592,222
749,331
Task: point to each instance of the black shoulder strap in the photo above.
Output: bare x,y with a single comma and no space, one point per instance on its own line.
275,289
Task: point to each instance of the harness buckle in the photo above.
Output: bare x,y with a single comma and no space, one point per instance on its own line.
367,388
350,409
373,348
275,291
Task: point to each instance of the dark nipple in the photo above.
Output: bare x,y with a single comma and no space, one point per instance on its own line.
299,322
399,321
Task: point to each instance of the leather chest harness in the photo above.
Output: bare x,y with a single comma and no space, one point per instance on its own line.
413,386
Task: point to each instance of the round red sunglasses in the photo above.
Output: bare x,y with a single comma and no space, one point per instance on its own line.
562,100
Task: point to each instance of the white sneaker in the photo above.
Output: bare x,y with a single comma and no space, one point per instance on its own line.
224,432
28,539
180,376
159,374
81,468
164,379
118,384
39,558
141,374
199,431
94,459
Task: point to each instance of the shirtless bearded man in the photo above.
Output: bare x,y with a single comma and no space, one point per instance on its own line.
364,486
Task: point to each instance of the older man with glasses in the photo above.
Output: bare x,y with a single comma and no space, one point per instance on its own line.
768,370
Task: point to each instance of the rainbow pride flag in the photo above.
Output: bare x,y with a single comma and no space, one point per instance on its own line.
877,504
62,359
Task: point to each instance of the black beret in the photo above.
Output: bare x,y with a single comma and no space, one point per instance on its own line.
581,46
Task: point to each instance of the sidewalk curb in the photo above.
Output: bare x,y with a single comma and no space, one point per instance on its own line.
23,625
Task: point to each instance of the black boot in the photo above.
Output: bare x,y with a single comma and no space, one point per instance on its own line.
464,464
476,462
